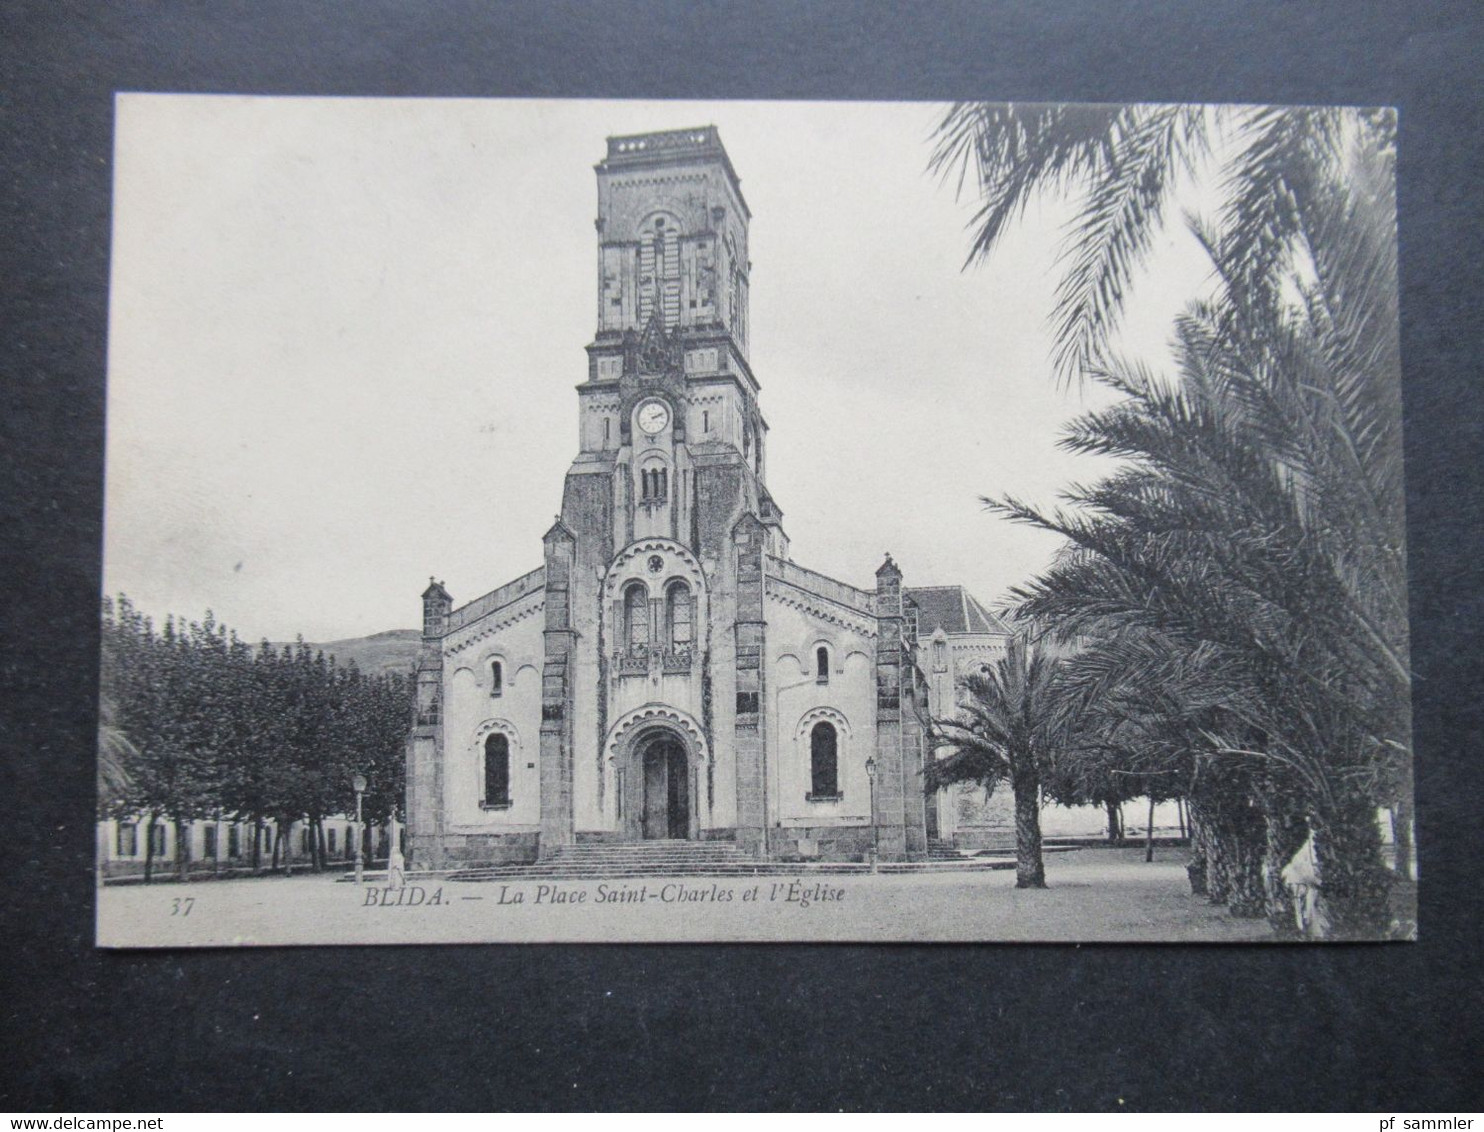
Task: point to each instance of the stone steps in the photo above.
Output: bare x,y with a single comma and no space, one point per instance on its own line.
636,861
675,858
619,861
795,869
652,849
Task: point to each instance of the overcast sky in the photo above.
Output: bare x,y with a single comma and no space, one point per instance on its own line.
344,336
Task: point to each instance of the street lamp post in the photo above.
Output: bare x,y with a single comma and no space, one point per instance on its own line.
359,784
875,833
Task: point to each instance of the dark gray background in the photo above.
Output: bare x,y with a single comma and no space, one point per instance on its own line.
1124,1028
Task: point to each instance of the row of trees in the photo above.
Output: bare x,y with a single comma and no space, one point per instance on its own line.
195,723
1229,615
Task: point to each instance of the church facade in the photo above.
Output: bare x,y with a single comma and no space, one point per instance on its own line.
668,672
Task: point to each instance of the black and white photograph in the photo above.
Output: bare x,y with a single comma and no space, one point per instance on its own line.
790,557
620,521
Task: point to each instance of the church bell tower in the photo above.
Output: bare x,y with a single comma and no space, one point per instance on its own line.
672,239
669,415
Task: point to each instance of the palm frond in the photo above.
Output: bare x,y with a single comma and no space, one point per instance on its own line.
1109,239
1015,150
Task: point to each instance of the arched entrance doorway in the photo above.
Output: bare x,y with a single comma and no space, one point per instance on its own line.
662,789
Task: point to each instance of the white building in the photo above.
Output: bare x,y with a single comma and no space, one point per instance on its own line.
667,671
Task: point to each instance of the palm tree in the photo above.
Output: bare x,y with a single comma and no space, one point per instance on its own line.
1008,727
1129,164
1147,709
1258,518
115,753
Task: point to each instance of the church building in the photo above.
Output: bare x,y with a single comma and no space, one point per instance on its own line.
667,671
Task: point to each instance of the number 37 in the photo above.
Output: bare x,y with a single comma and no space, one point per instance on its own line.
181,905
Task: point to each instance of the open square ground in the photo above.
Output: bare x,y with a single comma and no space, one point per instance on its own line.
1093,895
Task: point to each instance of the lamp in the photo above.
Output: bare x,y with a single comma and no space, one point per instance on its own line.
358,784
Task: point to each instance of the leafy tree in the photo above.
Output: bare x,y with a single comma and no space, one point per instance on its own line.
194,723
116,752
156,689
1092,776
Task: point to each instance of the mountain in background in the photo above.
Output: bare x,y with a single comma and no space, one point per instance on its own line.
392,651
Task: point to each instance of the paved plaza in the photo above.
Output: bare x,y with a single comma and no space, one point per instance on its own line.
1094,895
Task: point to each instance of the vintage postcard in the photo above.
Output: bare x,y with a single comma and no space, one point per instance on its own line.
652,521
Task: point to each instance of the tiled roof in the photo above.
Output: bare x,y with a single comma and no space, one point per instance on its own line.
953,609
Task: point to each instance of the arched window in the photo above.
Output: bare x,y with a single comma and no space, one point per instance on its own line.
654,483
636,618
497,770
940,655
679,615
821,665
497,678
824,762
659,272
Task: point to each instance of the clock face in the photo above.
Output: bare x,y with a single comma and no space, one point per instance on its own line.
653,417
